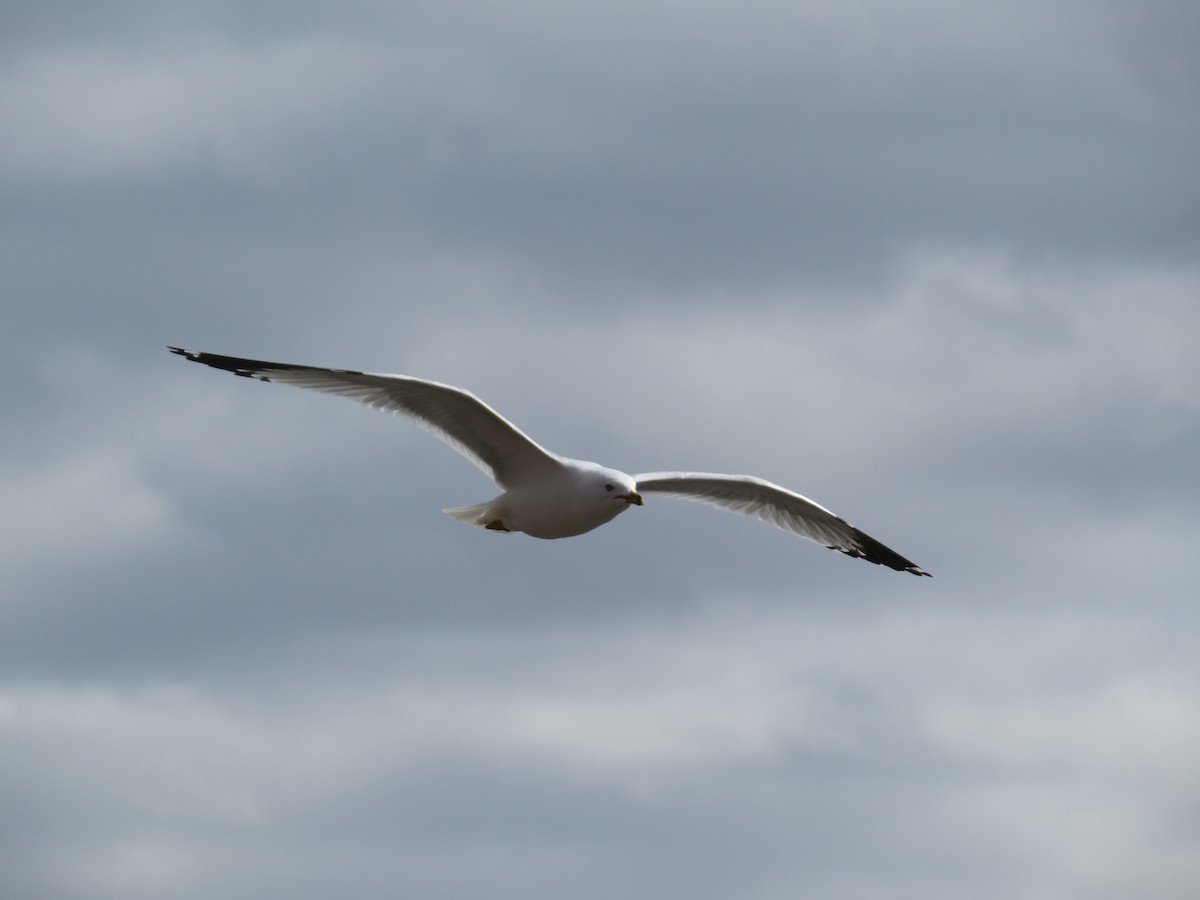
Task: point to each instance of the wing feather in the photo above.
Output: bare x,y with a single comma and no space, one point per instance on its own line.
772,503
456,416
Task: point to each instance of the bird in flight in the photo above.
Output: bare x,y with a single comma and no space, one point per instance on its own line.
550,496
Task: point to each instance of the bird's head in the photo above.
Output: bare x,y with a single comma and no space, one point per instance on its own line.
616,486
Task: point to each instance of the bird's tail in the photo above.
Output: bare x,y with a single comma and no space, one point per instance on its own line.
472,515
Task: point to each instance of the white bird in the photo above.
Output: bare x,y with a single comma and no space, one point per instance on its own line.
547,495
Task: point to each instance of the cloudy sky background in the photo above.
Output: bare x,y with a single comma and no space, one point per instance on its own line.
934,265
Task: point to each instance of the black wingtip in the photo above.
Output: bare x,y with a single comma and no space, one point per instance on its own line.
872,551
247,368
260,369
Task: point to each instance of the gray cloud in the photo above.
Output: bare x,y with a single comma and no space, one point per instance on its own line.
931,266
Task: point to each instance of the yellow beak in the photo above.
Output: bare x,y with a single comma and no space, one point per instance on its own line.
634,498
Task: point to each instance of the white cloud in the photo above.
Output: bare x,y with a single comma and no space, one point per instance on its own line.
77,512
95,113
741,718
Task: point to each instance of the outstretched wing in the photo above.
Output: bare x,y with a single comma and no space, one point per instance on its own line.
456,416
770,502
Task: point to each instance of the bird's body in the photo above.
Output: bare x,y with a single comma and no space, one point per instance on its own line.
570,499
546,495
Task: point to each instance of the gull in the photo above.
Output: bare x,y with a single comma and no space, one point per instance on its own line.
546,495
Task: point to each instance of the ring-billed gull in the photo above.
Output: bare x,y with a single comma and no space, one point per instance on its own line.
547,495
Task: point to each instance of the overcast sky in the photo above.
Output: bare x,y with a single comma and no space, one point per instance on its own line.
934,265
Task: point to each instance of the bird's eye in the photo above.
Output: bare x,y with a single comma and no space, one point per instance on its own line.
608,487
